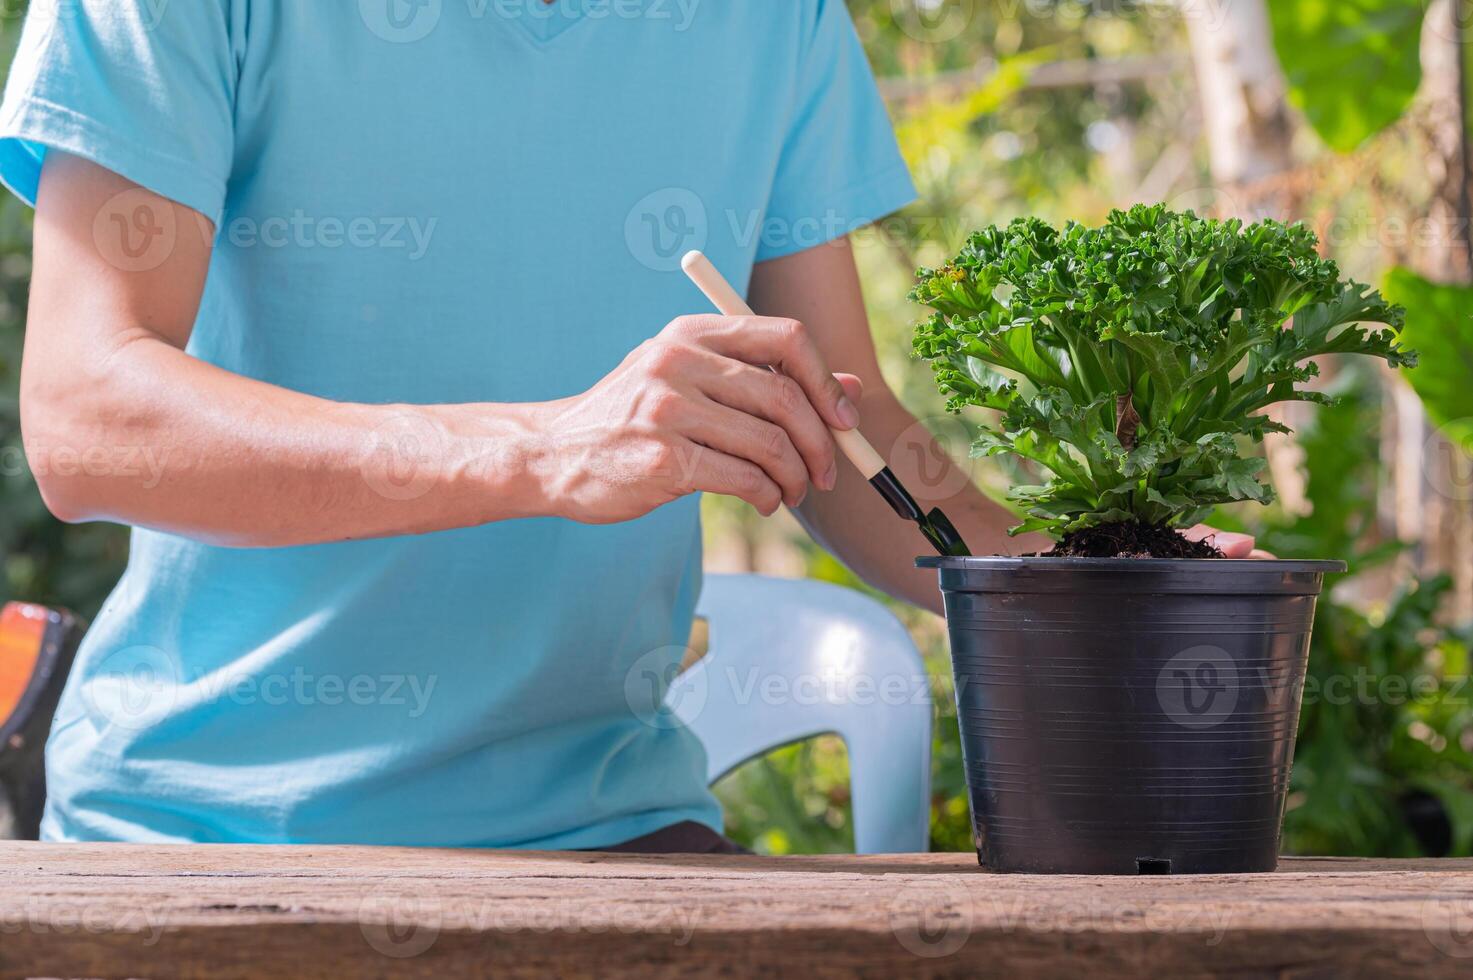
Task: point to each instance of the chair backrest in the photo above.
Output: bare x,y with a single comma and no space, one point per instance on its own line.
791,659
37,646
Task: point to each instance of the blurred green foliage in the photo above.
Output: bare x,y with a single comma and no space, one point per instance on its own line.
1384,730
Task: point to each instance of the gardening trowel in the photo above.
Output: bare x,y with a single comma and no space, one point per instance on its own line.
934,525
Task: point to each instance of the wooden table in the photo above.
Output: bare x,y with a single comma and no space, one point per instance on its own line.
218,911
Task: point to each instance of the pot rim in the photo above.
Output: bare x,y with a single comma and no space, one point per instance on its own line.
1002,563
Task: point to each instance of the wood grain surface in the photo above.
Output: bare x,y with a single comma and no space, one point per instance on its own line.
115,910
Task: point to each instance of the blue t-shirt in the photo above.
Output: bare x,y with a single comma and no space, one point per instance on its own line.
428,201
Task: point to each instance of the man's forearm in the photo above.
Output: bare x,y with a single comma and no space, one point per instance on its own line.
151,436
857,525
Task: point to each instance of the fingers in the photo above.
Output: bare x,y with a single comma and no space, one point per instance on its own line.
1230,543
780,400
853,387
781,344
752,439
719,472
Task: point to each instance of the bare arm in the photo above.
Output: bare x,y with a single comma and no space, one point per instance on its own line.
121,424
820,287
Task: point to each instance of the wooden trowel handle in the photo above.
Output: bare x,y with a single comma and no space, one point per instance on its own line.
701,272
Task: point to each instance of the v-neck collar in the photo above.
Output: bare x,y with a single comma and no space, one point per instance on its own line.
545,21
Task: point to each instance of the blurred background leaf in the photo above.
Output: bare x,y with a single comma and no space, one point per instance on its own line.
1440,327
1352,65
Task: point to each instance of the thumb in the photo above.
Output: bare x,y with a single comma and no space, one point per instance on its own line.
1230,543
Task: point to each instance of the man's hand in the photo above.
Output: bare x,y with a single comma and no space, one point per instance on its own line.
1230,543
696,409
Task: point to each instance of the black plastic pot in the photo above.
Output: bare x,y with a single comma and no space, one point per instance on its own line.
1128,716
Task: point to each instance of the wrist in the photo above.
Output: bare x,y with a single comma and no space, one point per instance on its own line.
505,461
545,476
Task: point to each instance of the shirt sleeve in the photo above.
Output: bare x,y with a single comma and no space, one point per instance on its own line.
143,88
840,167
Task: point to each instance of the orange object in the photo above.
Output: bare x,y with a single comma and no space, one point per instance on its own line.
22,630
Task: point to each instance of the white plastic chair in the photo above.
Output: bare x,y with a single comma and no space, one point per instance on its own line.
791,659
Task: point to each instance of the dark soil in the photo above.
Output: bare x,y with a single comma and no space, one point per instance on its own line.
1130,540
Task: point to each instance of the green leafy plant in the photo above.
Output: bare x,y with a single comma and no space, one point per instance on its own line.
1132,360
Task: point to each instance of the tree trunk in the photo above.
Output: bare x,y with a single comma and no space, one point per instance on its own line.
1244,112
1442,523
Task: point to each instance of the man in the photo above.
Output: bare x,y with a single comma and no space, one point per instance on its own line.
386,296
